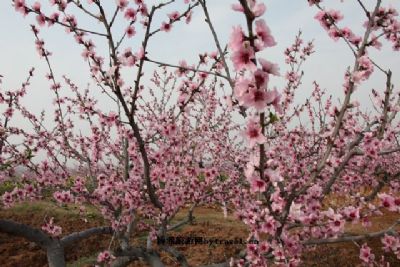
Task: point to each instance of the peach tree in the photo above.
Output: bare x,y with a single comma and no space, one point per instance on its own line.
215,131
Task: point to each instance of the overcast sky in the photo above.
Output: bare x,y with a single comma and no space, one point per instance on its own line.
284,17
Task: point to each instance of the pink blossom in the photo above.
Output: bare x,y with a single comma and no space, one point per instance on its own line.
258,9
237,38
352,213
105,256
313,2
51,228
269,226
130,31
243,58
274,98
63,197
387,201
166,26
173,16
237,7
257,185
253,133
128,58
140,54
256,98
41,20
53,19
366,255
264,34
188,17
269,67
328,18
365,67
183,68
391,243
242,86
375,42
273,176
261,79
20,6
122,3
130,14
337,223
36,6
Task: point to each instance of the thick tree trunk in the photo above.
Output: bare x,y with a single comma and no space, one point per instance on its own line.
54,247
55,255
25,231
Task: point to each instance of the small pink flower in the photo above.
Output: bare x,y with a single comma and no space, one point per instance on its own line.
36,7
105,256
273,176
375,42
352,213
366,255
53,19
183,68
244,58
20,6
140,54
337,223
188,17
253,133
237,38
237,7
270,225
261,79
128,58
130,14
257,185
391,243
258,9
41,20
328,18
365,68
256,98
9,112
122,3
130,31
274,99
313,2
173,16
166,26
264,34
51,228
269,67
387,201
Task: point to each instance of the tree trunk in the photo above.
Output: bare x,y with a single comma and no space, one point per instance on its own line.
55,255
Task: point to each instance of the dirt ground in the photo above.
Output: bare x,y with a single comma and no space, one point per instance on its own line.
210,223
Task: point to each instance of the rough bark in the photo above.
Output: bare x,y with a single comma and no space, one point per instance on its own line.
53,247
25,231
55,254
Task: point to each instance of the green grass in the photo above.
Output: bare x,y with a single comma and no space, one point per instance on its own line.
91,260
6,186
57,211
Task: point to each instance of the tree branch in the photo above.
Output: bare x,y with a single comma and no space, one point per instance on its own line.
352,238
78,236
25,231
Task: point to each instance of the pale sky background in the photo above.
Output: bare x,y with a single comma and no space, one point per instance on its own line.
284,17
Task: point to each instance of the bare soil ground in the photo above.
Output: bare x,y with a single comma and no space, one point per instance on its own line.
209,223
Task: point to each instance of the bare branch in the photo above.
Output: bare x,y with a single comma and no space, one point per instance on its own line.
77,236
25,231
351,238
